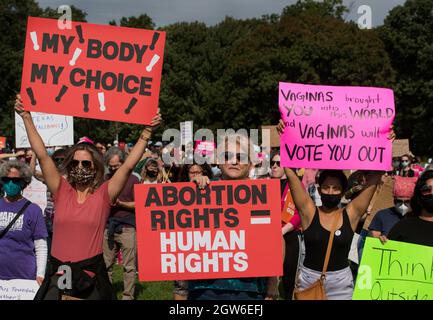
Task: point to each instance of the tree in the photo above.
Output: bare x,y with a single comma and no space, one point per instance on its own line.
13,23
13,20
143,21
408,37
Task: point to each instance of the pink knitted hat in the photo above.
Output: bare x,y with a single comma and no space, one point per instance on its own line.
404,187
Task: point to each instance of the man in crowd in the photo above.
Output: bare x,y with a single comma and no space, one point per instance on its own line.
385,219
120,233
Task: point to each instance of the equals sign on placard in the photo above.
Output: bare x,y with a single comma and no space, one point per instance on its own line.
260,217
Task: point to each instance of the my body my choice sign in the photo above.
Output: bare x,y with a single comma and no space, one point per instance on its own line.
231,229
394,271
92,71
336,127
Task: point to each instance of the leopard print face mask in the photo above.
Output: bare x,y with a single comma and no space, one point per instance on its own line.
82,176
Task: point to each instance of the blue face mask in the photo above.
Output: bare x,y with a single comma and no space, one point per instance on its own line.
12,189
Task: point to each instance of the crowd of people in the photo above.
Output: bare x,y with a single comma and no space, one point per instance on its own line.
89,221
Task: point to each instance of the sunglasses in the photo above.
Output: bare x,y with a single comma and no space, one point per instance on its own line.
84,163
240,157
59,160
14,180
426,189
275,162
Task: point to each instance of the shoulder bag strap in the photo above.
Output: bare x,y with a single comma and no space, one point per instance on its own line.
330,241
2,234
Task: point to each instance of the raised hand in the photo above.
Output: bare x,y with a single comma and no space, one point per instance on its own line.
19,108
392,134
201,181
280,127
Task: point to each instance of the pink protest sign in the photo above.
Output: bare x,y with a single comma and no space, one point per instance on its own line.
204,147
329,127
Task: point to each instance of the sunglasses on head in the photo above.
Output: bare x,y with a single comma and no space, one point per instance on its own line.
275,162
228,155
14,179
426,189
85,163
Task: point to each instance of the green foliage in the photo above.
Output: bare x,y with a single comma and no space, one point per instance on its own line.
226,76
143,21
162,290
408,36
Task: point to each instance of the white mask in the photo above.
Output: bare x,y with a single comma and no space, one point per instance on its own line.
403,209
252,174
216,171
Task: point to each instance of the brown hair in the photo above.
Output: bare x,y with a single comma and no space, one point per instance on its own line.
98,163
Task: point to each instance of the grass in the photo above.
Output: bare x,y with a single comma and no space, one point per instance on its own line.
162,290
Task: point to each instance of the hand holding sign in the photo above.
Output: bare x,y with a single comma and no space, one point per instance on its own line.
154,125
19,107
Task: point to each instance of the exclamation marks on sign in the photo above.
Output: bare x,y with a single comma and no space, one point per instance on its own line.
77,53
260,217
34,37
152,63
86,102
154,41
101,99
130,105
31,96
61,93
155,57
80,33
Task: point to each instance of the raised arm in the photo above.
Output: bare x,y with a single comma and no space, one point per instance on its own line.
119,179
37,174
51,176
302,199
358,206
11,155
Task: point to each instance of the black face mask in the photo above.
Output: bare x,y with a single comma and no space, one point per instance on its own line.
152,174
427,203
330,201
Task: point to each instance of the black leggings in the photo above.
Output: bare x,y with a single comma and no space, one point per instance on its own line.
290,265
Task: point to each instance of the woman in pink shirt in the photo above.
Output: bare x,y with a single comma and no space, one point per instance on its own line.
82,200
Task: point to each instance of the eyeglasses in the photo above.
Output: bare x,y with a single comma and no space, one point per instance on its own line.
399,202
84,163
275,162
426,189
240,157
14,180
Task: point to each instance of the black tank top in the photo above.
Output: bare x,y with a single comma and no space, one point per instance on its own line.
316,242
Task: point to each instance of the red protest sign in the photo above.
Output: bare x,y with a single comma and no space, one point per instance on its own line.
231,229
92,71
2,142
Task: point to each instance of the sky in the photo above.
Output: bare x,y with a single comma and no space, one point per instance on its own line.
165,12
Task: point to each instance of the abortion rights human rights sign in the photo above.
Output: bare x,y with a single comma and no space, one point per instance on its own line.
92,71
231,229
